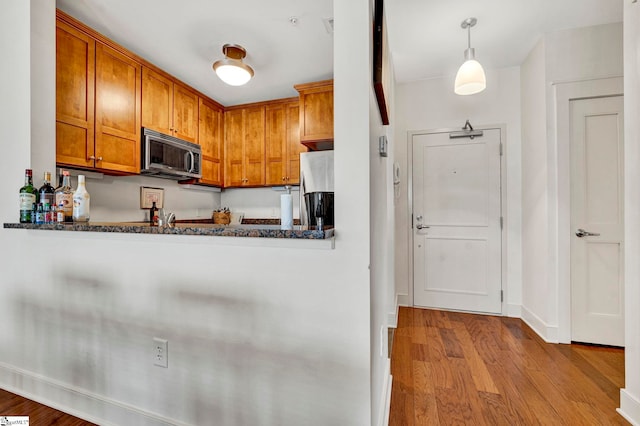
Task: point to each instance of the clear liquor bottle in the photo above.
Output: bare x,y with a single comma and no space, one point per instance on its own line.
28,196
64,197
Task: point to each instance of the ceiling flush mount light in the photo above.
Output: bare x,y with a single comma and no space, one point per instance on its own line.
231,69
470,78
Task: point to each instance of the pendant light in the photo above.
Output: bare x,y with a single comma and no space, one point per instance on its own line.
231,69
470,78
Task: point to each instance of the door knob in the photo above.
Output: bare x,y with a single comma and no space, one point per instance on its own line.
421,226
582,233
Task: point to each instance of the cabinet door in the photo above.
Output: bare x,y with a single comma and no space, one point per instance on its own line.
157,102
117,138
75,74
254,167
234,141
294,147
210,132
276,144
185,113
316,113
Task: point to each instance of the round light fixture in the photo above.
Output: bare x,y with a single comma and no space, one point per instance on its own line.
231,69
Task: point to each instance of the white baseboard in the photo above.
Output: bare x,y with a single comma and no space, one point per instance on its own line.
401,300
514,311
385,398
77,402
548,333
629,407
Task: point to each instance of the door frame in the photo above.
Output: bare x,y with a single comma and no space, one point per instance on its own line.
503,204
560,209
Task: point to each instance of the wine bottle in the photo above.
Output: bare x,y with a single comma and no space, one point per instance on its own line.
46,191
64,197
27,197
153,215
81,202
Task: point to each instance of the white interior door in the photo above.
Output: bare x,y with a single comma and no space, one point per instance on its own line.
457,244
597,214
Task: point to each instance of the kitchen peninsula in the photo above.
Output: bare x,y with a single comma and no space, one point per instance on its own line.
204,229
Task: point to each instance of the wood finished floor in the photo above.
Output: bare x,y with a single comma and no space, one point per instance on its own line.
462,369
39,415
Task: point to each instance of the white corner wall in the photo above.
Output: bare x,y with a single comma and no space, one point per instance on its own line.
257,335
561,57
432,104
630,395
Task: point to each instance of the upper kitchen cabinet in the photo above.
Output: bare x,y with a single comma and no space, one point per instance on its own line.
316,114
75,94
283,145
211,139
97,103
117,145
244,146
169,107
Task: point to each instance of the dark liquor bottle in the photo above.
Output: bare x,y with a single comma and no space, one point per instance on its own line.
28,197
46,191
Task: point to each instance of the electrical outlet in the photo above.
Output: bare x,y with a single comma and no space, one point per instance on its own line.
160,352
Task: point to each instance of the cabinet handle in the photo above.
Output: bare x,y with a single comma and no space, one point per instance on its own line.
284,178
99,158
91,157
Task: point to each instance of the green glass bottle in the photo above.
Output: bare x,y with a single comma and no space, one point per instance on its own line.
28,196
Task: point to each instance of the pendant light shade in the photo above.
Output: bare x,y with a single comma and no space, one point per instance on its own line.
231,69
470,78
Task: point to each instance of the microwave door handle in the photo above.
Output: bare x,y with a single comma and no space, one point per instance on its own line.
192,162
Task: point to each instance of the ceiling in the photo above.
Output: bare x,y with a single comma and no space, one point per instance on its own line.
425,39
185,38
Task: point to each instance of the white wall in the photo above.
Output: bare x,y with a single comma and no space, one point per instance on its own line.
535,274
259,202
271,335
561,57
382,248
630,395
432,104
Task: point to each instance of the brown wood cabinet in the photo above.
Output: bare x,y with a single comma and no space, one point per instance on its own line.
117,142
316,114
244,146
92,78
75,94
168,106
283,147
211,139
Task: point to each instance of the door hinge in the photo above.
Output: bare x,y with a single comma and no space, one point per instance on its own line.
501,149
501,222
501,295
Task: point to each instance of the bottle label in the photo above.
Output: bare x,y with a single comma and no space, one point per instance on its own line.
81,206
67,203
27,200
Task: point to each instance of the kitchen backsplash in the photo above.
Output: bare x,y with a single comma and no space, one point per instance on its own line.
117,199
258,202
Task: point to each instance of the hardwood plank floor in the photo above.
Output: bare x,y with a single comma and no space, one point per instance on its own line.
39,415
453,368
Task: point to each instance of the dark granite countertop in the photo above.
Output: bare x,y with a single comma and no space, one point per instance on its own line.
205,229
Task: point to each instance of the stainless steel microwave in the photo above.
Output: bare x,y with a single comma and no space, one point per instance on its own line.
169,157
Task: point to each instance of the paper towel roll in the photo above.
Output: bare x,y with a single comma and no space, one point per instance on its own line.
286,211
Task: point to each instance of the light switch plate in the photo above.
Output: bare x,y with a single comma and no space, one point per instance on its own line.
382,146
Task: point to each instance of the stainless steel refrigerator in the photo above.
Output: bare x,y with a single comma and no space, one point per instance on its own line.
316,190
